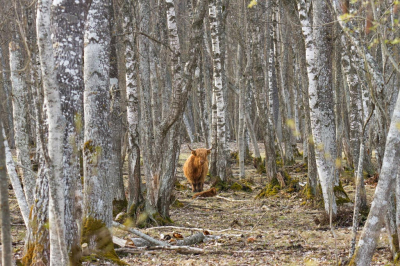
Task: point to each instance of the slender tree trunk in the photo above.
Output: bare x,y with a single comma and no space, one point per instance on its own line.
54,156
7,107
20,112
222,163
131,56
6,252
370,234
15,182
115,120
242,113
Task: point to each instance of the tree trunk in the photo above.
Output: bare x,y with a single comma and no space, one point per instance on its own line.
67,29
20,112
370,234
54,155
96,148
223,167
6,252
131,56
115,121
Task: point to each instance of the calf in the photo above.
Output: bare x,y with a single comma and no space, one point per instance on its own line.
196,168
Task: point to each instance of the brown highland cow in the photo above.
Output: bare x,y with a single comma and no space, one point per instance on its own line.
196,168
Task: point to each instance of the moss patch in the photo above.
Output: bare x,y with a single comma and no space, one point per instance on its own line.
340,195
220,185
177,204
119,206
96,234
239,186
271,189
259,164
179,186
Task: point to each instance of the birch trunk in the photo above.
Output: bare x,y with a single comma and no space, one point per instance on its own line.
222,163
8,101
131,55
115,120
242,113
67,29
97,198
20,112
15,182
6,252
370,234
54,156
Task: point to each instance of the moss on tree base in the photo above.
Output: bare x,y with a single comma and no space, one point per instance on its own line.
285,181
119,206
99,239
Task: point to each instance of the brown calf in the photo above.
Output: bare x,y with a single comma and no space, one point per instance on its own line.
196,168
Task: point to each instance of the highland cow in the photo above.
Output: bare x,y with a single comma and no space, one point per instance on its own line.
196,168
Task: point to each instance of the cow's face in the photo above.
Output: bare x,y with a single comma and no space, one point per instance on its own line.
201,155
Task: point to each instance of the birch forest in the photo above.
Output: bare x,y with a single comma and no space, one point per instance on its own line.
199,132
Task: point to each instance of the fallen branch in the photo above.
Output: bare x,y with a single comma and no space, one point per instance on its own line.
179,249
191,240
220,197
151,240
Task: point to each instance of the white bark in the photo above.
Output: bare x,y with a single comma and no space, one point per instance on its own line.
97,198
20,112
133,107
15,182
320,97
370,234
54,160
67,30
222,163
6,252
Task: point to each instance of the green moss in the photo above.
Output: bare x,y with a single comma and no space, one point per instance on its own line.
119,206
219,184
78,123
99,239
179,186
340,195
236,186
235,156
271,189
241,187
259,165
177,204
88,146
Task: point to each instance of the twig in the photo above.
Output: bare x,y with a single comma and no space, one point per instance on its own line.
220,197
179,249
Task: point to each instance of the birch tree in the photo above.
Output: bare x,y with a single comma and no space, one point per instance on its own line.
67,30
20,112
97,215
131,55
222,163
53,154
318,49
6,252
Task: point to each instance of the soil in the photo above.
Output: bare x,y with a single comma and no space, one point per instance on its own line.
279,230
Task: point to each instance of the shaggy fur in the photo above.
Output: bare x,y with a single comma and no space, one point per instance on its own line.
208,193
196,168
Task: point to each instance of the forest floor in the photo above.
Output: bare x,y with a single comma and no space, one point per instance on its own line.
279,230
